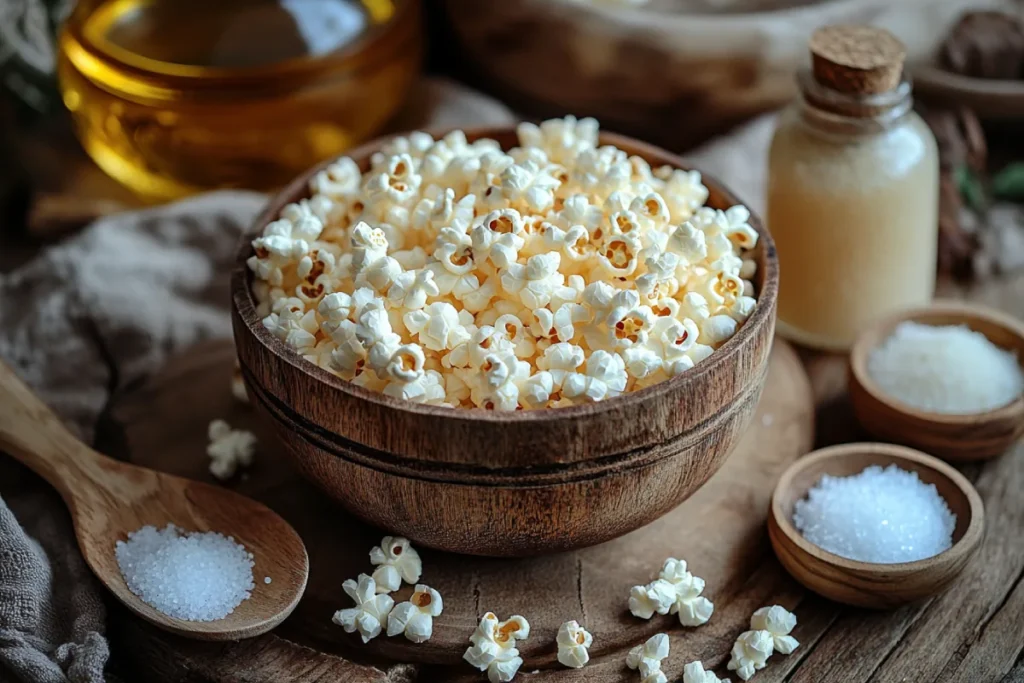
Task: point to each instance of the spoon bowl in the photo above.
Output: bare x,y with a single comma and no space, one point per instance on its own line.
109,499
868,584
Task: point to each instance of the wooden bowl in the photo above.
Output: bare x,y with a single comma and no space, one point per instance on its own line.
958,438
509,483
987,98
865,584
675,72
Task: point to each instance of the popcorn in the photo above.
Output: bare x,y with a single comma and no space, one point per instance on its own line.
499,237
530,186
675,591
657,597
493,646
229,449
453,273
750,653
573,641
371,610
604,377
415,618
439,326
536,281
779,622
396,561
647,658
692,608
694,673
412,289
717,329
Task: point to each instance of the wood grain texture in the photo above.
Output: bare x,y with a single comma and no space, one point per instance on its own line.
957,438
942,640
108,499
719,529
863,584
509,483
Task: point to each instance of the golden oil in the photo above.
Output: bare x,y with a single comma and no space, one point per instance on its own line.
172,97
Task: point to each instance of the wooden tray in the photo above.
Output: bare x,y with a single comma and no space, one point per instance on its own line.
720,531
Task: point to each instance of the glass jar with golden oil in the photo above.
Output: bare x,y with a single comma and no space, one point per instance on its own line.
171,97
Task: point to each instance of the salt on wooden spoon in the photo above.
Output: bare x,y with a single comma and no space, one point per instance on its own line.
109,499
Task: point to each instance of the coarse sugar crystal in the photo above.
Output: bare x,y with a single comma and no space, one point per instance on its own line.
880,515
194,576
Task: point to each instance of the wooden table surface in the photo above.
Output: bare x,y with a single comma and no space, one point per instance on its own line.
973,633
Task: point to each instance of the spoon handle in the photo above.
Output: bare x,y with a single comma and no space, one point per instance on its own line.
37,438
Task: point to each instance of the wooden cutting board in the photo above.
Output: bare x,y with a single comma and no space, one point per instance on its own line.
719,531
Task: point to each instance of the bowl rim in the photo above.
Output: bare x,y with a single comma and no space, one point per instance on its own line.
242,299
897,454
878,332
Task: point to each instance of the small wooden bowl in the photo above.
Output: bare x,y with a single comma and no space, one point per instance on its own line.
957,438
509,483
865,584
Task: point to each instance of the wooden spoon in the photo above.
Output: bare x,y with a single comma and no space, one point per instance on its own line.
108,499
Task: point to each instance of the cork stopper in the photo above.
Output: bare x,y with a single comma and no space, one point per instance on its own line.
857,60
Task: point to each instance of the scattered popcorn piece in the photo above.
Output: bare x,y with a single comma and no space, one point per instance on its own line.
493,646
779,622
238,384
657,597
647,658
396,561
675,591
415,618
694,673
573,643
692,607
462,251
750,653
371,610
229,449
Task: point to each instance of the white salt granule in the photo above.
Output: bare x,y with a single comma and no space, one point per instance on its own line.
880,515
187,575
945,369
266,579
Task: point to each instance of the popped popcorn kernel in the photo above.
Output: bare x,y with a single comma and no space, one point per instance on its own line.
552,274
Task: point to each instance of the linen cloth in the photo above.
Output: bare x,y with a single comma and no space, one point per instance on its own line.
93,315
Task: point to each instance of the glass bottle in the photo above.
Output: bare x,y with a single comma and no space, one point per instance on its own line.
853,192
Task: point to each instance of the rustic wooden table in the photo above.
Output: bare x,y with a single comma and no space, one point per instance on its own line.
973,633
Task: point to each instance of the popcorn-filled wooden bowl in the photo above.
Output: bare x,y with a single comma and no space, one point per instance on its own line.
954,437
508,483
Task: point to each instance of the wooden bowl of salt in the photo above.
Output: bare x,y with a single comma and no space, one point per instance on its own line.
923,396
876,585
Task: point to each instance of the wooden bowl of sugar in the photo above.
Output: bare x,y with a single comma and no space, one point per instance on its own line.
509,483
897,395
873,584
